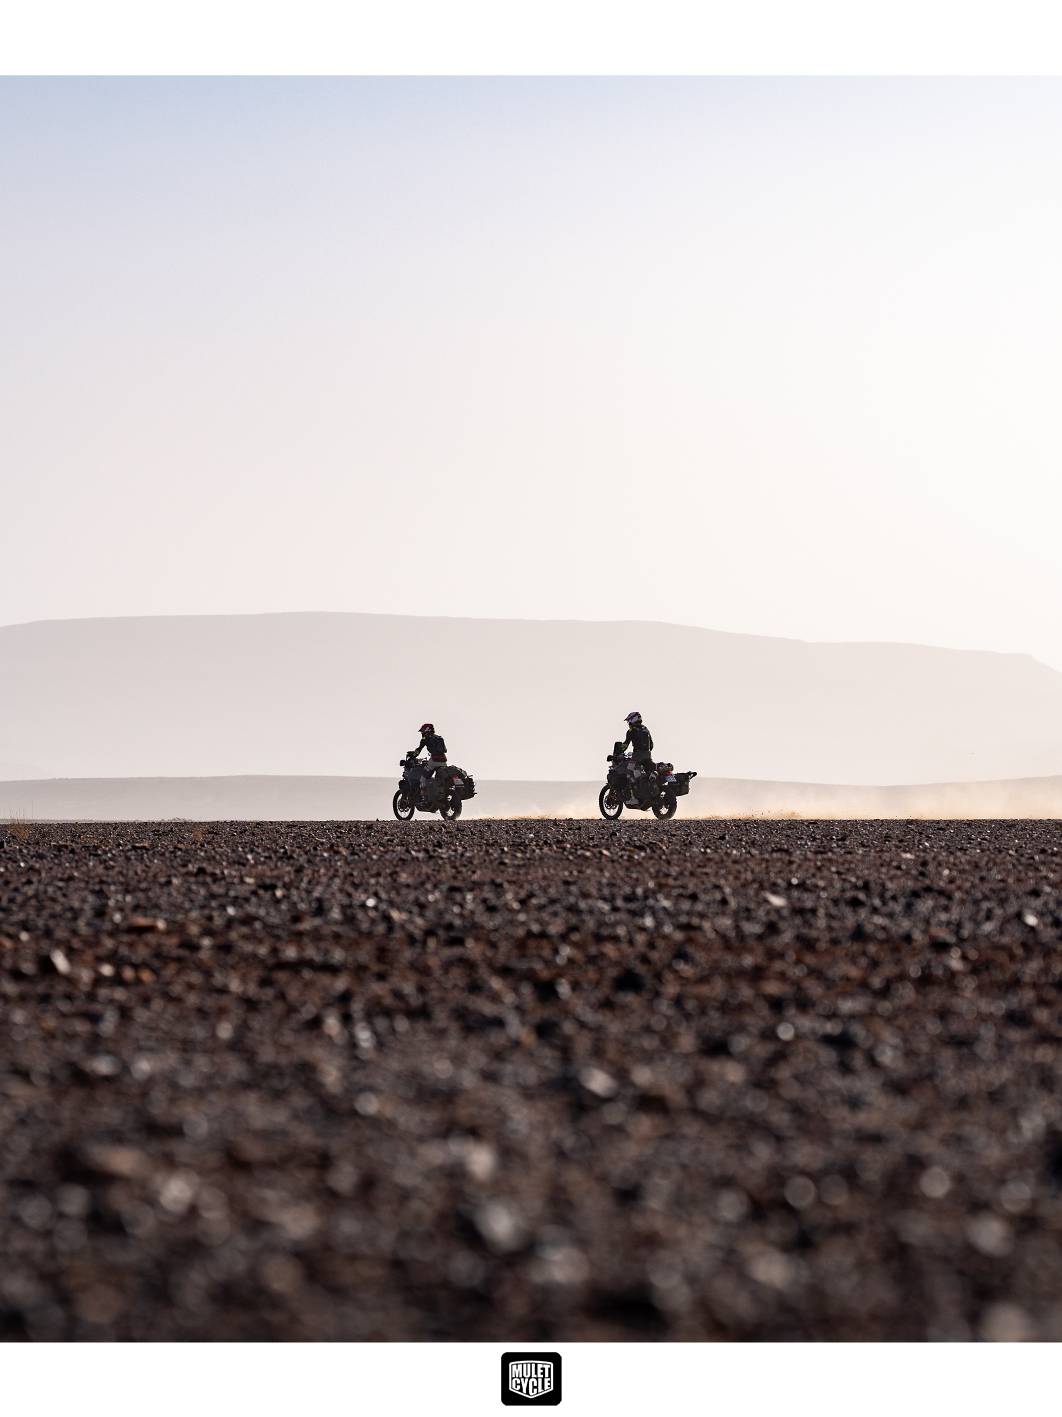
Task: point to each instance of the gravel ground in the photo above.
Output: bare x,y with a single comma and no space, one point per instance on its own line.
531,1081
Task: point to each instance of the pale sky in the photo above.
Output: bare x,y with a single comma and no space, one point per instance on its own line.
771,356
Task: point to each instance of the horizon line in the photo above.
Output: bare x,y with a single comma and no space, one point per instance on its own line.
547,781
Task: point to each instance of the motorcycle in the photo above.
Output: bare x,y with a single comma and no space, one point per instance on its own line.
659,787
444,791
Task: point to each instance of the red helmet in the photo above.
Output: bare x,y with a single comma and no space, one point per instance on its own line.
427,728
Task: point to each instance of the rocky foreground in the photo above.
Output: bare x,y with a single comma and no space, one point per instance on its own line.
531,1081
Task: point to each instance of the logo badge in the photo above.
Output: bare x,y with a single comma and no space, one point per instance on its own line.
531,1379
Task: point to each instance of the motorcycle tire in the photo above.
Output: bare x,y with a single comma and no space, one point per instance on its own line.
402,806
665,806
451,809
610,804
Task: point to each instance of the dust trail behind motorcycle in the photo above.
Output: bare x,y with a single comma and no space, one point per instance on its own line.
554,1080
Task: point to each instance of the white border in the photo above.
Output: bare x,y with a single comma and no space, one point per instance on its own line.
464,1380
532,37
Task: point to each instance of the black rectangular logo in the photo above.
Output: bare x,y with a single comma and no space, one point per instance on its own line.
531,1379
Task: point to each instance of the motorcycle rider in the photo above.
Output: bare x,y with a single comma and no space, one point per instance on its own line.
435,745
640,741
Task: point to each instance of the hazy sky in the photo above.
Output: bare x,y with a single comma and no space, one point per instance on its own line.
762,355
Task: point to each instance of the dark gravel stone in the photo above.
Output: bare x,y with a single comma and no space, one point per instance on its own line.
549,1079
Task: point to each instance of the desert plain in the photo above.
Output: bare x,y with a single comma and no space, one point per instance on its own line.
554,1080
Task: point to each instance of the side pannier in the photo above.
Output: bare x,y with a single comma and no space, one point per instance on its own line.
466,784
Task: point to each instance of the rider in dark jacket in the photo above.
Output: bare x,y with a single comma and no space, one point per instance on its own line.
640,741
435,745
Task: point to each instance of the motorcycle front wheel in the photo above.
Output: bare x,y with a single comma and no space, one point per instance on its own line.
451,809
402,806
665,806
610,803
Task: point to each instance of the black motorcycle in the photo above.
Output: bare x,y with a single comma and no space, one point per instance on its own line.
442,791
658,786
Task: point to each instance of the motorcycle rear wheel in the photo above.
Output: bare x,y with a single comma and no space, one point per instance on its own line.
665,806
402,806
610,804
451,809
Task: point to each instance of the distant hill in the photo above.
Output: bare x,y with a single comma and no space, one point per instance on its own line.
361,798
342,695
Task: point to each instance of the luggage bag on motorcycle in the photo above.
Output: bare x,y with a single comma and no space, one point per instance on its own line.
681,784
464,784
